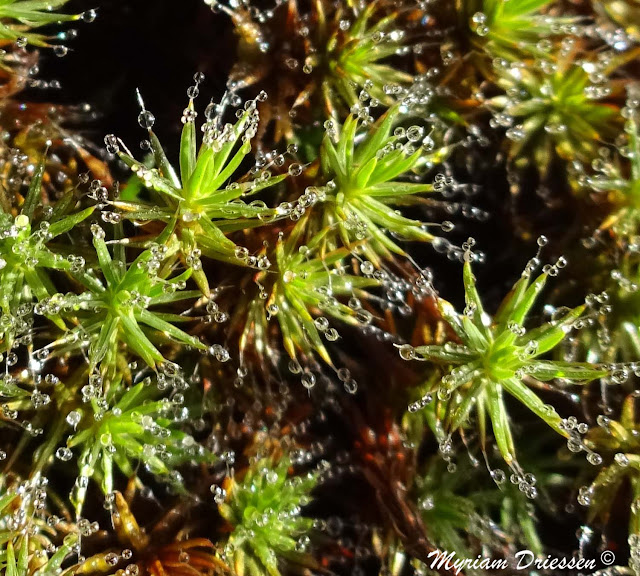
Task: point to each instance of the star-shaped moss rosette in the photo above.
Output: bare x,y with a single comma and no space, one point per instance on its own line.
352,62
19,561
113,308
205,203
307,285
26,256
622,337
32,127
364,188
462,509
448,515
618,440
494,356
321,59
19,19
618,177
123,428
615,337
26,538
564,108
264,510
514,29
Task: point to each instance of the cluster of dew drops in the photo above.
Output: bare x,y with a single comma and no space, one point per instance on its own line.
59,48
546,63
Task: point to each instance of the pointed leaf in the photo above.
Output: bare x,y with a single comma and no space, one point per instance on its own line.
35,189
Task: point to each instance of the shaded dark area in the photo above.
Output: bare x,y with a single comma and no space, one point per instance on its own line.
153,46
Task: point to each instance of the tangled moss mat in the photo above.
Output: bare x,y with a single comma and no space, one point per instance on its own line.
319,287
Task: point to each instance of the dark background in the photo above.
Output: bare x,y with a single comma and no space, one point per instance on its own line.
155,46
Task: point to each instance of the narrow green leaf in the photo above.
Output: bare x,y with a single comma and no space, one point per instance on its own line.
133,335
11,568
150,319
376,138
162,161
549,335
104,259
65,224
530,399
576,371
500,422
35,189
229,169
106,340
459,355
528,299
188,152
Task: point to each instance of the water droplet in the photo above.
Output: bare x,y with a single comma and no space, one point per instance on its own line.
594,458
73,418
499,477
97,231
193,91
295,170
111,559
89,15
146,119
621,459
407,352
308,380
331,335
64,454
219,494
351,386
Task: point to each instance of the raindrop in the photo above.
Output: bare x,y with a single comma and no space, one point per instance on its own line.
367,267
64,454
219,494
308,380
73,418
89,15
621,460
111,559
146,119
498,476
295,170
193,91
331,335
351,386
407,352
594,458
